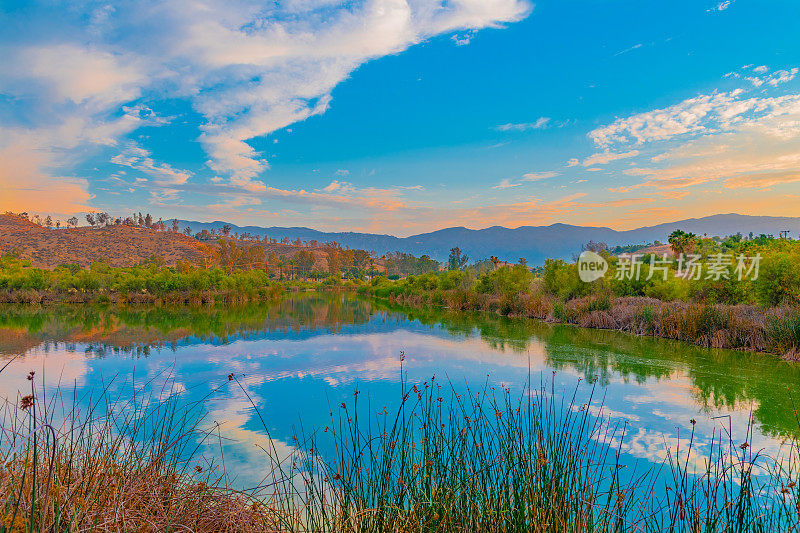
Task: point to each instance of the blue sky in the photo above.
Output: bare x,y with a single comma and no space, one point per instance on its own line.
401,117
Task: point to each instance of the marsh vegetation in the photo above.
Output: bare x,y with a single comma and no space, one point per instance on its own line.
438,460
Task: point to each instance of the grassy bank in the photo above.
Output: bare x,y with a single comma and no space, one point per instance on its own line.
515,291
440,460
151,283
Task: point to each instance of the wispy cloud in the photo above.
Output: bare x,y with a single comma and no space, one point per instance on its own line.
505,183
704,114
463,39
607,156
138,158
247,68
631,49
538,124
744,139
537,176
721,6
30,157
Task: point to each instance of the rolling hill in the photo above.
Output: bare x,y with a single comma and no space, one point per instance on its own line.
535,243
124,245
119,245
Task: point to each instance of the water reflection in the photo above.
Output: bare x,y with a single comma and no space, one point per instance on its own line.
297,357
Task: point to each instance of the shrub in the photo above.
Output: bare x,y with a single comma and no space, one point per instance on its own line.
778,281
560,278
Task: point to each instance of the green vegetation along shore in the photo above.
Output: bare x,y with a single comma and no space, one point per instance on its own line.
758,313
744,293
722,378
743,327
149,283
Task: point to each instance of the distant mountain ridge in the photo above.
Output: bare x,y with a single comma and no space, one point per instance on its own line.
535,243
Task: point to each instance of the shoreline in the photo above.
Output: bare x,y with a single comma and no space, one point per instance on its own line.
774,331
770,331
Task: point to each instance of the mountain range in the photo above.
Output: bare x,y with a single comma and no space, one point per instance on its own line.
534,243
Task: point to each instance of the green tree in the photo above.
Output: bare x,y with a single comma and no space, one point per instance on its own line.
682,242
778,281
456,260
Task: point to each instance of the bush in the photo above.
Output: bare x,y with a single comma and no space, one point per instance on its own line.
778,281
560,278
506,280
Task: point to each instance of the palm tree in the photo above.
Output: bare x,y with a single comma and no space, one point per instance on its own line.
681,241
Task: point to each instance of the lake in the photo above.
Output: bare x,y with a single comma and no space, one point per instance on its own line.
295,361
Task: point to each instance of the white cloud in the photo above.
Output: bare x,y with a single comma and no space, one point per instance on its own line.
607,156
30,158
722,6
782,76
776,78
138,158
505,184
536,176
704,114
733,138
463,39
249,68
755,80
538,124
81,75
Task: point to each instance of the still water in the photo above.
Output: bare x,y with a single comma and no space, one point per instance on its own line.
298,359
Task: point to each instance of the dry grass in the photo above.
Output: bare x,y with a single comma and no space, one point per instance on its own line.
118,245
737,327
106,496
128,470
444,461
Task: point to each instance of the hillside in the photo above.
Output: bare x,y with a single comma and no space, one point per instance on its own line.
123,245
535,243
127,245
119,245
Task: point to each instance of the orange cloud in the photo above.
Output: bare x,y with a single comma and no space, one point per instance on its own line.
26,187
767,179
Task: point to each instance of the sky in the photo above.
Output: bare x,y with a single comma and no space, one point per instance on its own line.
401,116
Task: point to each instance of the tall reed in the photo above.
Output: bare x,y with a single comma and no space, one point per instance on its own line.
448,458
112,466
486,460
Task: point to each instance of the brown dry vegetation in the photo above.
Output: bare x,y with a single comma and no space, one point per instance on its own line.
123,246
118,245
127,497
289,251
737,327
488,462
92,474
